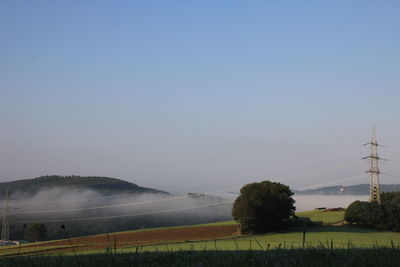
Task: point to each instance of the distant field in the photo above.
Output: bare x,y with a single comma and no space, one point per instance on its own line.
327,217
219,236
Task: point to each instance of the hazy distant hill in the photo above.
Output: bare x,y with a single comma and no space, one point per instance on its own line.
103,185
360,189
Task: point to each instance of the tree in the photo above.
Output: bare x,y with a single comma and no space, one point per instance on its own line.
263,207
35,232
383,216
357,212
391,206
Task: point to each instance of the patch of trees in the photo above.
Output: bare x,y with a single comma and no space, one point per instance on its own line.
383,216
263,207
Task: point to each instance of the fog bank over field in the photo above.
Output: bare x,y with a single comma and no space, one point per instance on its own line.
87,212
56,206
65,200
310,202
61,203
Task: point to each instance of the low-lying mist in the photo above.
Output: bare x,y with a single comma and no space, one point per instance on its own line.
85,211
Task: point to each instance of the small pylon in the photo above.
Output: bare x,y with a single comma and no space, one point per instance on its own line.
5,229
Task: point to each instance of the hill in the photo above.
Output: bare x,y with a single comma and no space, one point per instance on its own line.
360,189
103,185
95,205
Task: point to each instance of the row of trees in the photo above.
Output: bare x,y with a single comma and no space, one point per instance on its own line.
383,216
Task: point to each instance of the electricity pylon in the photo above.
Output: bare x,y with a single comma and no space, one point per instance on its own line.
5,229
374,193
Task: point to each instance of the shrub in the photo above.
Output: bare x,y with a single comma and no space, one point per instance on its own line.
383,216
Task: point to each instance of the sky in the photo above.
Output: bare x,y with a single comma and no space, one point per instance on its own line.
199,95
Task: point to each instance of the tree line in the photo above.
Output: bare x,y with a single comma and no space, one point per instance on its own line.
381,216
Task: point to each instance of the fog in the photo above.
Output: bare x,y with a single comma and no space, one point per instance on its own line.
87,212
58,204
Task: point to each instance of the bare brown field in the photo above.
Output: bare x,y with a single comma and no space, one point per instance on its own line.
128,239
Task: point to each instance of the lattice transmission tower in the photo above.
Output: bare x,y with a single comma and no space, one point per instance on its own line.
374,192
5,229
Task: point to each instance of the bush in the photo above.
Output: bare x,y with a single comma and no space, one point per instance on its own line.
263,207
384,216
357,212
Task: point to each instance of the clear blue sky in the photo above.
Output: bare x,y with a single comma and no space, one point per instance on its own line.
164,93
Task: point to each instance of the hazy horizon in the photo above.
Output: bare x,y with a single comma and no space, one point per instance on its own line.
176,95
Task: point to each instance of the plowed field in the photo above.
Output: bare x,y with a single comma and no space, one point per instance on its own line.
129,239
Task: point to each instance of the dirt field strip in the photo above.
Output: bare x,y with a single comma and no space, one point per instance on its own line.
128,239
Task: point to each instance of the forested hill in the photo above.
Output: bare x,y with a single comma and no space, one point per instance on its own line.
360,189
103,185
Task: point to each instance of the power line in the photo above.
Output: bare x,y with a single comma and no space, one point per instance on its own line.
215,181
353,177
395,161
159,200
147,213
340,166
75,199
247,174
387,174
102,207
130,215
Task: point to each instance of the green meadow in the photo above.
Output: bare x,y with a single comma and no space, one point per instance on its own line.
327,235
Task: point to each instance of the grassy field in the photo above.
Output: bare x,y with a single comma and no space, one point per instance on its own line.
279,257
326,217
325,236
338,237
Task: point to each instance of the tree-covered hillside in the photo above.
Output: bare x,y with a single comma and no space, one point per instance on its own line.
103,185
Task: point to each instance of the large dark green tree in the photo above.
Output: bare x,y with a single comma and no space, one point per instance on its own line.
357,212
263,207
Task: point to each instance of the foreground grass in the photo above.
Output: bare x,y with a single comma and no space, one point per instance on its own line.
279,257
